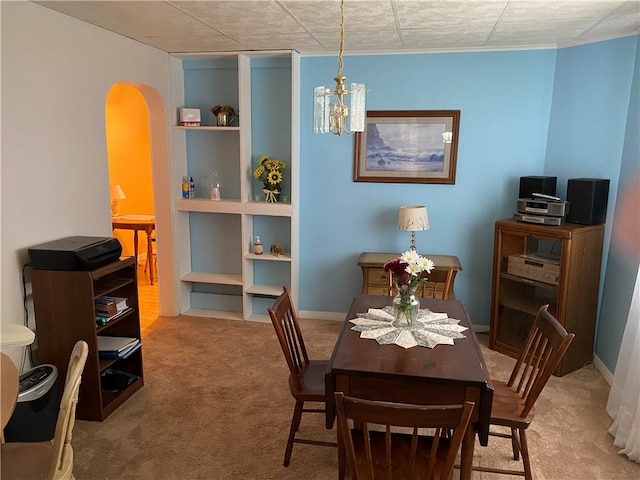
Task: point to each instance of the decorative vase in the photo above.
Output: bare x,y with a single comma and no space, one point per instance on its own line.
224,119
271,196
406,306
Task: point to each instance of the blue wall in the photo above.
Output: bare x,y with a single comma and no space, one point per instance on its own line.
504,99
621,269
566,113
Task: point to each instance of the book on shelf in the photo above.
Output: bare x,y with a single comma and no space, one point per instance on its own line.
120,302
104,319
117,347
105,307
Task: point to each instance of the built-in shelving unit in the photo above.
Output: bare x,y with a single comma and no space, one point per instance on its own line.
220,276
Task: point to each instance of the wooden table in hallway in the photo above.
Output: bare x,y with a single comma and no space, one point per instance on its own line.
446,374
147,223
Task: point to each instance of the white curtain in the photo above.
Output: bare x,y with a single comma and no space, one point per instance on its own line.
624,399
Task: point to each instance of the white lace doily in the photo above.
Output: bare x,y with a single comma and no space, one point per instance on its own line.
429,329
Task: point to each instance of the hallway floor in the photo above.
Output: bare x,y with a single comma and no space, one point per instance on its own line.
147,300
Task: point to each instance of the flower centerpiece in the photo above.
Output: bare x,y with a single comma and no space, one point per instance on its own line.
269,172
408,272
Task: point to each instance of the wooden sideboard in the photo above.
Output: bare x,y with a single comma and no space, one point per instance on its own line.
374,278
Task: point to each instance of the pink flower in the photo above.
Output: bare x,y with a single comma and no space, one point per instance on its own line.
396,266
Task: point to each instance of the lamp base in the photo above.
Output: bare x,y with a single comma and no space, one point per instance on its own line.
115,208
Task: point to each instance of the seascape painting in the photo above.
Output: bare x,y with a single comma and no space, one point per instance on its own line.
407,146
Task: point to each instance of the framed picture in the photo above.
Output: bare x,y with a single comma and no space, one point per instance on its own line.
407,146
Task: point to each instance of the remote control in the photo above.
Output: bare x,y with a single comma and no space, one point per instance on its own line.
544,196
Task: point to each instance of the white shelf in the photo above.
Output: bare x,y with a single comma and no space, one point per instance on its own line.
205,127
214,278
270,290
268,257
234,206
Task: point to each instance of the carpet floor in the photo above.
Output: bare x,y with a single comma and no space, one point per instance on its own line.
216,406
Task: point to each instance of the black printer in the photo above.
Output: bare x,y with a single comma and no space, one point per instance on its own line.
75,253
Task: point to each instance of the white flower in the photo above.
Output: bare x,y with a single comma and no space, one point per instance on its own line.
410,257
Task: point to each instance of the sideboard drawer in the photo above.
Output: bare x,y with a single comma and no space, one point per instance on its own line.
376,276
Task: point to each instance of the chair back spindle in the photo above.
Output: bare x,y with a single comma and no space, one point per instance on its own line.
378,444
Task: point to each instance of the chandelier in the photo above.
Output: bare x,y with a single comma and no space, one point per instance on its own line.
330,114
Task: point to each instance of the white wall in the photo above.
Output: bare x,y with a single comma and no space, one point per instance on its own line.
56,74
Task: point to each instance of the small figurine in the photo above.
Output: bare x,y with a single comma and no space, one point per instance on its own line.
277,250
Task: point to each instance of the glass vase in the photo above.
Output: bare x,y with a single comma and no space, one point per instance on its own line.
271,196
406,307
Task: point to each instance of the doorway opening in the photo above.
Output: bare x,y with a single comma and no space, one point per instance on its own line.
136,140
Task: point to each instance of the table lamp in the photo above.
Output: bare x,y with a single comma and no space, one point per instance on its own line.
116,195
413,218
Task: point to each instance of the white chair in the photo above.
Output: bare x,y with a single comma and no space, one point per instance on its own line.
50,460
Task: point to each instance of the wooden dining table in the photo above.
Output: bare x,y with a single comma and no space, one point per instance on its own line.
445,374
146,223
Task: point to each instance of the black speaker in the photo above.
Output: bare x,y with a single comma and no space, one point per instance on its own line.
587,199
529,185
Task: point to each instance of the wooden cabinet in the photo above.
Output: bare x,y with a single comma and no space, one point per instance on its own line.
221,277
64,305
374,278
535,265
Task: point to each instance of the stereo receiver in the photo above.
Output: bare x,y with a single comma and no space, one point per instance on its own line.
538,206
541,268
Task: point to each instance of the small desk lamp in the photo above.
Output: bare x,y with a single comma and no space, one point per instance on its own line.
116,194
412,219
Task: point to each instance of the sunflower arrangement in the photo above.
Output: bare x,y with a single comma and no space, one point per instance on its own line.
269,172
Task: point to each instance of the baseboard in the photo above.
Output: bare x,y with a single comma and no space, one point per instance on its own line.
602,368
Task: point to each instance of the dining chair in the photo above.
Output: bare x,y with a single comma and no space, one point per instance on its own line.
438,284
50,460
9,388
513,401
306,378
385,440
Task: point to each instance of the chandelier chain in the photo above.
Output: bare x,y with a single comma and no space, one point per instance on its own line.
341,38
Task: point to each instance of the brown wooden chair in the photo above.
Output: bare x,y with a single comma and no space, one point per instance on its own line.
50,460
306,379
377,443
438,284
513,401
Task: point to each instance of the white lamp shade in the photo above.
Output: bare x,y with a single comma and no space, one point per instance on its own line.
413,218
117,193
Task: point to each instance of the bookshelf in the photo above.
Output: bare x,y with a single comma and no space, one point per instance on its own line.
64,305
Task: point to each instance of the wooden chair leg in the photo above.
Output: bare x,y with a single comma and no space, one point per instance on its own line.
515,444
525,455
295,424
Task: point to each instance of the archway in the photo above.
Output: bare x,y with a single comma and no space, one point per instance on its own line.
137,150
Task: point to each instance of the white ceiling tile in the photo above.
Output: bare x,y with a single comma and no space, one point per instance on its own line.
313,26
